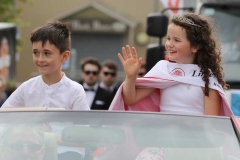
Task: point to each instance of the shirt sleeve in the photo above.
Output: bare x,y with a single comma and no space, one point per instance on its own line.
80,100
16,99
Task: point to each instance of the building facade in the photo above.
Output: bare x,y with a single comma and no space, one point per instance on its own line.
99,28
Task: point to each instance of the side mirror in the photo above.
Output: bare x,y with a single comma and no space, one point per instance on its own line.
93,137
236,125
157,25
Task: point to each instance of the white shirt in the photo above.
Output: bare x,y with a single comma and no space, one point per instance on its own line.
90,94
183,99
36,93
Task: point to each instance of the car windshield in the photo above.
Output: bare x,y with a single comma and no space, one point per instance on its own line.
227,18
103,135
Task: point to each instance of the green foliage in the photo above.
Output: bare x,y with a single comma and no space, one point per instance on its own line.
10,13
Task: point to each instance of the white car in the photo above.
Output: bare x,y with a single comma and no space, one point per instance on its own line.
105,135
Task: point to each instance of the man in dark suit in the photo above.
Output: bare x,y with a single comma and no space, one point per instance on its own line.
97,97
109,77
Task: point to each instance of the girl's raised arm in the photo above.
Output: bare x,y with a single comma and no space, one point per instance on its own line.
131,65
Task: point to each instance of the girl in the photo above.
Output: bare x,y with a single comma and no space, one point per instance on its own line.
191,81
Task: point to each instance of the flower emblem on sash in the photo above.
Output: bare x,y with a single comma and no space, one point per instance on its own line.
177,72
151,153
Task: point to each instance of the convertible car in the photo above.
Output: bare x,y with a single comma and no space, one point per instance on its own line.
104,135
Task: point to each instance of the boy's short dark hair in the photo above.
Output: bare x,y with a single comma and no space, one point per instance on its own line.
55,32
110,64
90,60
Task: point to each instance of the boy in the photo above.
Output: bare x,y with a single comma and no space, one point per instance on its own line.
51,47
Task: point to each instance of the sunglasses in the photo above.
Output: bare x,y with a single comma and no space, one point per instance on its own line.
141,74
91,72
113,74
19,146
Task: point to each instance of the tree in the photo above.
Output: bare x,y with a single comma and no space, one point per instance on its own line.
10,13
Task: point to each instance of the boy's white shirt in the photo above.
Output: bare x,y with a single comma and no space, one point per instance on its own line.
64,94
36,93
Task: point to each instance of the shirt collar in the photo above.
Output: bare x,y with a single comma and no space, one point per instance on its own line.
104,87
90,87
62,80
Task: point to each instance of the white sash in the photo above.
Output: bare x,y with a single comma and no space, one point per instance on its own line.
165,74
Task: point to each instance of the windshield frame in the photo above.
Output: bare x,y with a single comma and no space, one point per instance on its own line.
115,121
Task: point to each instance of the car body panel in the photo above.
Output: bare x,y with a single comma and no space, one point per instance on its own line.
134,135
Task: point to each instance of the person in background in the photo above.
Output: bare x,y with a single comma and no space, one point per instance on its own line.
51,89
142,71
3,95
97,97
109,77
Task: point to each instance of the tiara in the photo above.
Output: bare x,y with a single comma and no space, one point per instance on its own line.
184,20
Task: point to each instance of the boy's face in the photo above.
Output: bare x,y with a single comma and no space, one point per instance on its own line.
47,58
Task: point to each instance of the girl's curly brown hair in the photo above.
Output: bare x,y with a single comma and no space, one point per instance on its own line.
208,54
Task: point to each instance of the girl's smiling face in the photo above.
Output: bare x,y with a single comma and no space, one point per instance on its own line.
178,46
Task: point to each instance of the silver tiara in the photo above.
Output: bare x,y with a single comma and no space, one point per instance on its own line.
184,20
